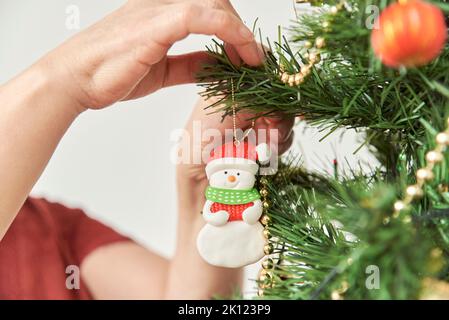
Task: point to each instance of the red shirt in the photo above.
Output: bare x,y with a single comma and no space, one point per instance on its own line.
42,241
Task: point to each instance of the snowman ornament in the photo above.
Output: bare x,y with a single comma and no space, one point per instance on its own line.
233,235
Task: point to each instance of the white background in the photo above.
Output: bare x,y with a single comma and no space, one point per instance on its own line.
115,163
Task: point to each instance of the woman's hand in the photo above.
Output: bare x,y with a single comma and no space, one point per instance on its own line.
124,56
283,127
191,184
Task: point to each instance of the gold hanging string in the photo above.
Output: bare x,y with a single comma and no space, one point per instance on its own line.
265,275
234,118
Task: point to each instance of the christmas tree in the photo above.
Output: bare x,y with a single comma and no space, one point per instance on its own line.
379,67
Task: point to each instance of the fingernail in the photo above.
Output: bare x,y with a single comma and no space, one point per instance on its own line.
246,33
272,119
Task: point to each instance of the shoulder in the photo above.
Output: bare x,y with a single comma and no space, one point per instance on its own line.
45,206
49,213
70,225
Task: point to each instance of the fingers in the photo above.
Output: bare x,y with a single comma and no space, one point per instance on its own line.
283,131
184,68
196,19
233,55
284,146
230,50
283,126
279,125
226,4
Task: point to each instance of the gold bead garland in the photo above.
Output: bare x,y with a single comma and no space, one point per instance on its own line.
268,249
412,191
313,55
338,294
442,188
265,274
423,175
433,289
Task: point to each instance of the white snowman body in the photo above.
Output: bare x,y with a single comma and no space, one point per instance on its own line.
233,235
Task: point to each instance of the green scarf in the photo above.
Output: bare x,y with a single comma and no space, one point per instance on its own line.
227,196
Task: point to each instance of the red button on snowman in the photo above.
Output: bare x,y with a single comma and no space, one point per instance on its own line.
233,236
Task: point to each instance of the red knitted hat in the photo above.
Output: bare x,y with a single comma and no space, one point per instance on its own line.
229,155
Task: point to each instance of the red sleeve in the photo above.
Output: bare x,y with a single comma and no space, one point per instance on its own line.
78,234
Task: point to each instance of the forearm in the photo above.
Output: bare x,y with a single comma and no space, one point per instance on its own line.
35,113
190,277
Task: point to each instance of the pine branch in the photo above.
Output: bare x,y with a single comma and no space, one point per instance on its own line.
317,258
399,112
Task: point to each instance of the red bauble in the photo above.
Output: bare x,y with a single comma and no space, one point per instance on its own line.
411,33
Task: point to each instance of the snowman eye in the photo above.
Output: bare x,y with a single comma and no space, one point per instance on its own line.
238,173
225,172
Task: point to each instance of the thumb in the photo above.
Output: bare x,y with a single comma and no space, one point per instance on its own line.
184,68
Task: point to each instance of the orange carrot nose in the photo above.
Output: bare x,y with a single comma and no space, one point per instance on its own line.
232,178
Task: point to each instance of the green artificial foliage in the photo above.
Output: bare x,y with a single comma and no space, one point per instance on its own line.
331,232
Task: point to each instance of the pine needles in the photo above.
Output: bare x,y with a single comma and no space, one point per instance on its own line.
400,111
